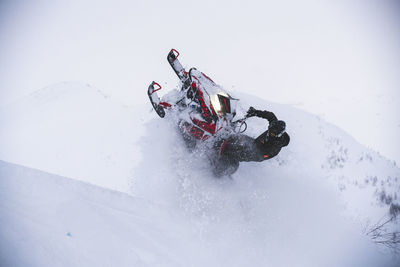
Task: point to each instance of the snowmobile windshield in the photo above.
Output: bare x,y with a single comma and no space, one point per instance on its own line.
218,99
221,103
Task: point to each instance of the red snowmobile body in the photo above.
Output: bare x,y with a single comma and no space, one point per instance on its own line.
204,107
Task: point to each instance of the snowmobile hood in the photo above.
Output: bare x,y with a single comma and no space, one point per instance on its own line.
218,100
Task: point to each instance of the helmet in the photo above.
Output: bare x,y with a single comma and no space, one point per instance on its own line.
276,128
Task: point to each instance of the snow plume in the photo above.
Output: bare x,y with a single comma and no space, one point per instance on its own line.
316,204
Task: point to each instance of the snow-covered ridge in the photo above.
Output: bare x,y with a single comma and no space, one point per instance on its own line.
72,129
317,195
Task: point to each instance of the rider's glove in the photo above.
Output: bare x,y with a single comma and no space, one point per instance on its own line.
251,112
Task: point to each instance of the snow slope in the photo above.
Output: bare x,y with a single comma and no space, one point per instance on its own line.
307,207
49,220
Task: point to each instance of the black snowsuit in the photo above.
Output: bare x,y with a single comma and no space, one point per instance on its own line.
242,147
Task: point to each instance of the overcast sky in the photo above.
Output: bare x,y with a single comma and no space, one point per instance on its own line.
337,59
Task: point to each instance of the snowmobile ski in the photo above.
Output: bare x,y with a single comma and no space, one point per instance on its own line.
155,100
176,65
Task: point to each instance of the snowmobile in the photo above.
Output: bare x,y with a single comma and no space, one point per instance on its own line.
205,109
205,114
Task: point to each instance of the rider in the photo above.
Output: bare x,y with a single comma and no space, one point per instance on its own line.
242,147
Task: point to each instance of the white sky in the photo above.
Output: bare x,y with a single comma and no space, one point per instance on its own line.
337,59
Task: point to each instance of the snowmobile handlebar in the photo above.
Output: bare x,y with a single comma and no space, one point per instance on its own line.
240,123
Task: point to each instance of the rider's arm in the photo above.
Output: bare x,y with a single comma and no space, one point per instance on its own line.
270,116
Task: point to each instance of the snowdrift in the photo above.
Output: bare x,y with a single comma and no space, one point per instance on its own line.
309,206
